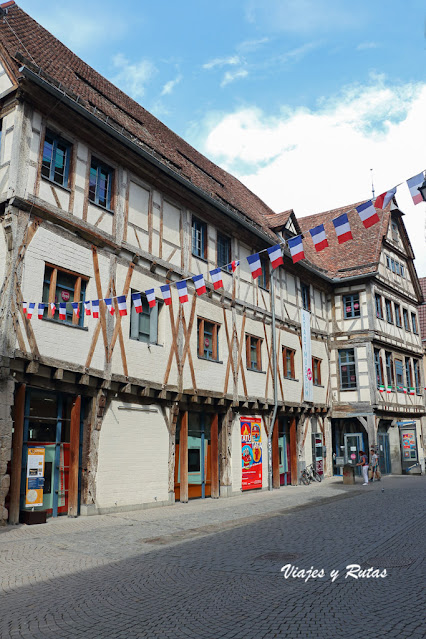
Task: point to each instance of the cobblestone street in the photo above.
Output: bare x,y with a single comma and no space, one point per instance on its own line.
212,569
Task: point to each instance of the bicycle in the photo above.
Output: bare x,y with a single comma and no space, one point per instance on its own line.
310,474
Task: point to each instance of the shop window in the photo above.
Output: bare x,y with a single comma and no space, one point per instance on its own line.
417,378
144,325
414,322
379,307
379,367
288,363
389,369
347,369
208,333
223,250
399,373
316,371
408,373
389,314
56,159
264,276
306,296
398,315
100,183
60,285
199,238
406,322
351,307
253,353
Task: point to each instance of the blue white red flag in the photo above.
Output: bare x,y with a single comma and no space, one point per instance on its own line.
24,306
343,229
122,305
62,310
76,308
216,275
137,302
183,291
319,238
41,310
413,184
368,214
200,285
95,308
52,308
233,265
150,296
87,308
109,305
255,265
383,200
31,307
295,245
167,296
275,255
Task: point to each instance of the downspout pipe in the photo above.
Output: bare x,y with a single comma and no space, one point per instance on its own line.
274,375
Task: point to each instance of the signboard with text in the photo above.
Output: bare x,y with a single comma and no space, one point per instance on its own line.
35,477
251,452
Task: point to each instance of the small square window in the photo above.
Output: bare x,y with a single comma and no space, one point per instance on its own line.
56,159
351,306
60,286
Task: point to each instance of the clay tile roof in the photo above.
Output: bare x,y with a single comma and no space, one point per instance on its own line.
355,257
278,220
24,40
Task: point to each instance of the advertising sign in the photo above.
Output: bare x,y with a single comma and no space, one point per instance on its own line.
251,452
308,388
35,477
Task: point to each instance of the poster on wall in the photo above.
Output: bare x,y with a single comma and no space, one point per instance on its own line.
35,477
308,388
251,453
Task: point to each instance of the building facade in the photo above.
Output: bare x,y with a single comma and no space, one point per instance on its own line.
99,199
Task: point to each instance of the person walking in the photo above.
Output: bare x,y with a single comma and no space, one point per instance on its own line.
374,461
363,462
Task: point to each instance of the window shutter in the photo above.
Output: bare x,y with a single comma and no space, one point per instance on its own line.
153,325
134,323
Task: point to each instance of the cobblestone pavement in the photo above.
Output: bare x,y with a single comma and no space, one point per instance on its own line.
212,569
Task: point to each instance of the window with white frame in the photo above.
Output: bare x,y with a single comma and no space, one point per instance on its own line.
144,325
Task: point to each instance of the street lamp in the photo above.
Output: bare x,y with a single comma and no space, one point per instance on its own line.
422,190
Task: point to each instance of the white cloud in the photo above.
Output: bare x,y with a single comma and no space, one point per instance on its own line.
170,85
222,62
316,160
251,45
295,55
232,76
132,77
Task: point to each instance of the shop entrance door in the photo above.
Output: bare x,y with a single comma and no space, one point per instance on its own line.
199,457
47,423
353,444
284,452
384,453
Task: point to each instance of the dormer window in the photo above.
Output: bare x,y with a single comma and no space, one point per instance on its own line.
395,231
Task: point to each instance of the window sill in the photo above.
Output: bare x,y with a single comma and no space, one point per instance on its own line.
267,290
290,379
60,186
64,323
354,388
318,385
100,206
203,259
214,361
143,341
254,370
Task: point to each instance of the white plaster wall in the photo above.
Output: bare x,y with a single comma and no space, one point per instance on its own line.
5,82
132,458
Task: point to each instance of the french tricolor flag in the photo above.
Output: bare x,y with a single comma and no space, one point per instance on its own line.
122,305
275,255
255,265
183,291
167,296
76,308
233,265
368,214
31,307
200,285
150,296
62,310
216,275
383,200
24,306
87,308
41,310
295,245
343,230
319,238
137,302
95,308
52,308
109,305
413,184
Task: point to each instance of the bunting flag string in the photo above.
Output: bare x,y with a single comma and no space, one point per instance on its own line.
366,211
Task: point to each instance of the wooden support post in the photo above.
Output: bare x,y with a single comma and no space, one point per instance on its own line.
293,451
275,457
214,450
17,442
74,458
183,456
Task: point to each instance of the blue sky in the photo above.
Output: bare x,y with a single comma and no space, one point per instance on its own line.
297,98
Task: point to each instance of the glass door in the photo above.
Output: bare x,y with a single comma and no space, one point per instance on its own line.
353,444
384,453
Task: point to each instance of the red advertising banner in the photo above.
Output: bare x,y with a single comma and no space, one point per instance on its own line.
251,452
